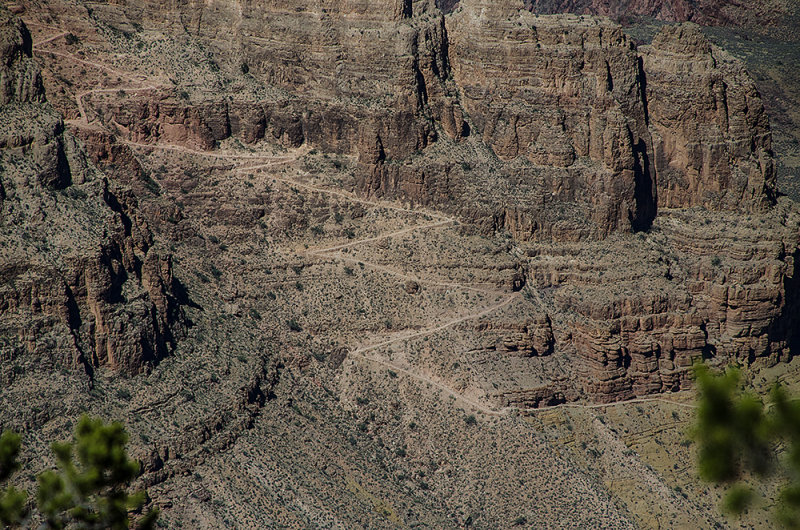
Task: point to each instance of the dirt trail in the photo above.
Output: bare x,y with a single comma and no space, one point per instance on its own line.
140,83
408,371
328,252
612,404
49,39
434,329
425,379
344,195
378,238
216,154
100,66
412,277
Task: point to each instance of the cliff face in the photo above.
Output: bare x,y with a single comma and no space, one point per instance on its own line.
555,129
344,76
568,108
713,145
564,93
81,285
386,220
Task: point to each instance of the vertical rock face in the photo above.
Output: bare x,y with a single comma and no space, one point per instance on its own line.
555,129
80,282
354,77
713,145
559,92
20,81
591,133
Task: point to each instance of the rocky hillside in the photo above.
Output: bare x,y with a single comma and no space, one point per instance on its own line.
356,265
706,12
82,285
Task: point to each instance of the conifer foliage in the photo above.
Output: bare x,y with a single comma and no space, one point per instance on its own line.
741,440
89,487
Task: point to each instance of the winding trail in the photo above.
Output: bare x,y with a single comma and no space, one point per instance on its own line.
334,252
575,405
344,195
140,83
435,329
380,237
274,160
425,379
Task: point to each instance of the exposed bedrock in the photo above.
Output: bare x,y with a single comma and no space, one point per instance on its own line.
707,12
81,284
637,313
554,129
559,92
574,117
711,136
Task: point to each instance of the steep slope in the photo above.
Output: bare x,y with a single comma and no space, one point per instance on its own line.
82,285
706,12
419,255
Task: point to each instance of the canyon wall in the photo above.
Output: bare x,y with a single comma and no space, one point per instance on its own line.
706,12
82,285
556,130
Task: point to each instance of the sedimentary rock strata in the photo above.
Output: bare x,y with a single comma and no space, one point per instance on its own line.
82,285
711,136
554,129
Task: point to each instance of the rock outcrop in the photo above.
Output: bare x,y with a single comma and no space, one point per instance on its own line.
556,130
711,136
20,80
560,92
81,284
638,317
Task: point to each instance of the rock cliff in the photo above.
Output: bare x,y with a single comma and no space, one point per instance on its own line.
707,12
712,141
398,234
554,129
82,285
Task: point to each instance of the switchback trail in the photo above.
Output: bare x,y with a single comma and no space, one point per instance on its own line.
333,252
434,329
49,39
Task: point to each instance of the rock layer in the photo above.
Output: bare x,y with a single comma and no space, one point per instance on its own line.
553,129
82,285
713,145
707,12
